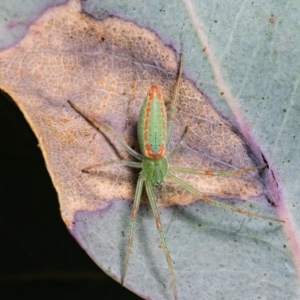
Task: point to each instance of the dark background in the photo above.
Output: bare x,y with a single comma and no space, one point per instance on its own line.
39,259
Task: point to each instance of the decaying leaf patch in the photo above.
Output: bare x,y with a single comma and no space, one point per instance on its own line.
106,67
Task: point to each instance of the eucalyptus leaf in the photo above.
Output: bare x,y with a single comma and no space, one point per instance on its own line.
242,57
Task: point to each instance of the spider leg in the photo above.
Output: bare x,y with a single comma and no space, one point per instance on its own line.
174,103
135,208
152,200
127,163
213,173
217,203
101,126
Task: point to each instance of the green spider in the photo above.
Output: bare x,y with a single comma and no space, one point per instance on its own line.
154,135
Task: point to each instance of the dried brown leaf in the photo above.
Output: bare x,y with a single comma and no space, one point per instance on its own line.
106,67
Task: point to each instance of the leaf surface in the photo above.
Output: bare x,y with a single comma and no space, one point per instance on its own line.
107,68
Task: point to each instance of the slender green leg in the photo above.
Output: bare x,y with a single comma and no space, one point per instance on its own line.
127,163
99,125
180,144
135,208
174,103
212,173
155,212
217,203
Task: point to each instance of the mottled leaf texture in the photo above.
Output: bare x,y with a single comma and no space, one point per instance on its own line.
106,68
